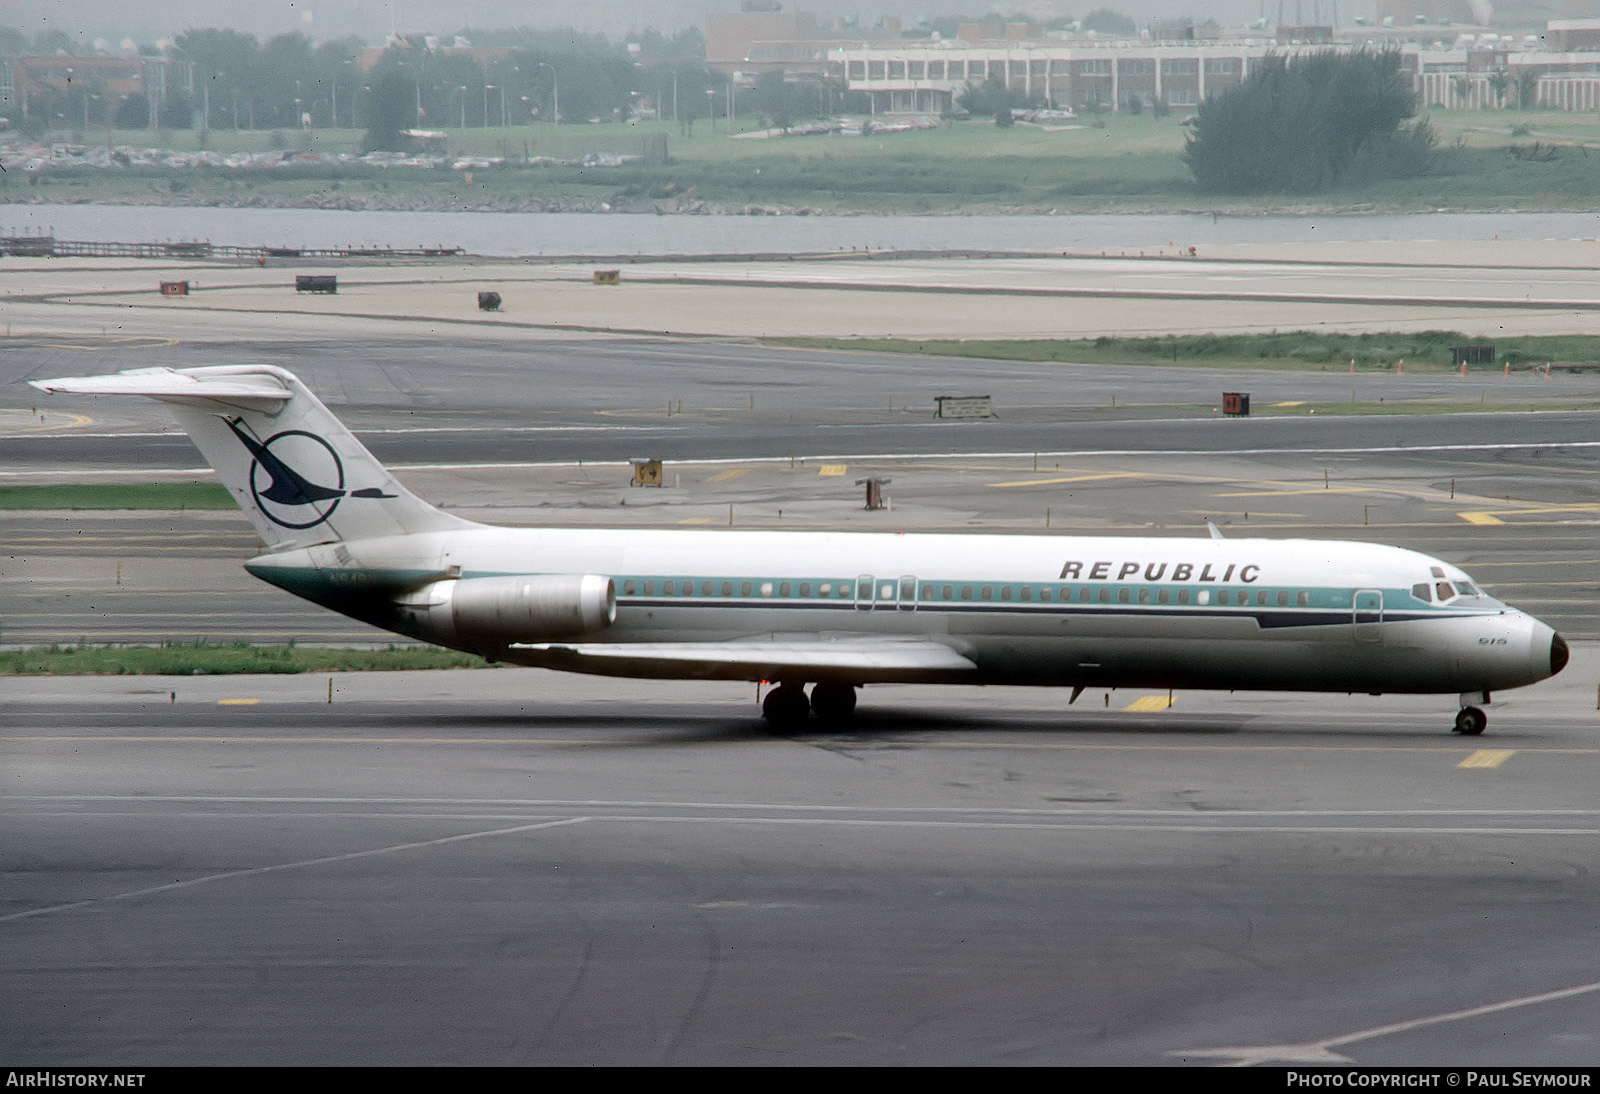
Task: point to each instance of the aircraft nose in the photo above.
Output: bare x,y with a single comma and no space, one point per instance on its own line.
1558,653
1547,651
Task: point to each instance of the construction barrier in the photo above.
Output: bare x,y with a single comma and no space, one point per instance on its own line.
315,283
964,406
646,473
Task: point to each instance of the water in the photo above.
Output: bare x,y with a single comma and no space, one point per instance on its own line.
617,234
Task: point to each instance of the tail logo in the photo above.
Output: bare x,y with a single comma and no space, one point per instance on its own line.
287,475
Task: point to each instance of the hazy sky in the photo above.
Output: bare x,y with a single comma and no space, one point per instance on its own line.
148,20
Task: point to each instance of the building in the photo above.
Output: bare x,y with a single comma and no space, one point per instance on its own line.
926,77
1477,71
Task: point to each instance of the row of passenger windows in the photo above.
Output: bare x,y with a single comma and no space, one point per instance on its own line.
687,587
934,593
1105,594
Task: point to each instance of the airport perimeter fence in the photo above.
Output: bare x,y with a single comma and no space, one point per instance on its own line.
50,247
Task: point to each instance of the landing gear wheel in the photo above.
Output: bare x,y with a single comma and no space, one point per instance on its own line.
833,702
786,707
1470,721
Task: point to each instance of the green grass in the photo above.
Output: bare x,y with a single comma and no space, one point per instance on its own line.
171,495
189,659
1112,162
1422,350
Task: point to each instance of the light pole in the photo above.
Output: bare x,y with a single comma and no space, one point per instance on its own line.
711,108
555,94
486,89
463,91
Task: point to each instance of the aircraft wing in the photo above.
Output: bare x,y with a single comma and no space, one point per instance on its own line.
760,657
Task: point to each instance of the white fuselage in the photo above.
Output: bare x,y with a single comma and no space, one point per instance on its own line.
1052,610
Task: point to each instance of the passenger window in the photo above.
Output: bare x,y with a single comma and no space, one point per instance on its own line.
1027,594
784,588
1222,596
988,593
744,589
1261,599
649,588
966,592
1302,599
1183,596
627,586
1005,592
1044,596
705,588
1105,596
1283,600
666,587
1161,596
727,588
1144,596
949,592
844,588
805,588
825,588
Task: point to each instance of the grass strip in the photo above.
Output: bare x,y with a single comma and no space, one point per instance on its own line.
1296,350
106,495
209,659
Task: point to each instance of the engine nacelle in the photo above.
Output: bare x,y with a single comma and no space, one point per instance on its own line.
503,610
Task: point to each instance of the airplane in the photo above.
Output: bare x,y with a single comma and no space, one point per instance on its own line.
835,611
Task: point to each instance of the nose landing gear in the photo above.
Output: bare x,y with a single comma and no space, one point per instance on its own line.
1470,719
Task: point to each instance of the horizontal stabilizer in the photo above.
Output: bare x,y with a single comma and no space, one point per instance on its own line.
253,388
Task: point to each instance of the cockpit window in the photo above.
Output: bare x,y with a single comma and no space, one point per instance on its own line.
1444,590
1467,588
1421,591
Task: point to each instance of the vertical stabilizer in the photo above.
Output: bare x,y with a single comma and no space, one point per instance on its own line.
295,470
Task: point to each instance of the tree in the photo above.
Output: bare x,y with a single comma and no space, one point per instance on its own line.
1528,87
1296,126
779,101
1106,21
1500,81
391,108
989,98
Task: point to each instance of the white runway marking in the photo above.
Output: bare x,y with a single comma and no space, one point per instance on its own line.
1321,1052
253,871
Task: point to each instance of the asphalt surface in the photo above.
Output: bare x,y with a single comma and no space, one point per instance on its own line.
512,866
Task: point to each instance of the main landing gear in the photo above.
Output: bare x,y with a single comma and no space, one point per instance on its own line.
787,708
1470,719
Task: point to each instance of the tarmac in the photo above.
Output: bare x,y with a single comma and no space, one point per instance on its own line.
1482,288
